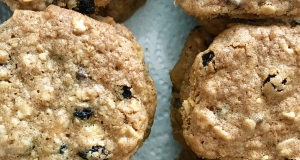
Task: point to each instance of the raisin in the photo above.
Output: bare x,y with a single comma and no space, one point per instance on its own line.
206,58
55,2
100,149
83,113
177,103
85,6
284,81
126,92
97,148
82,155
62,148
81,75
174,89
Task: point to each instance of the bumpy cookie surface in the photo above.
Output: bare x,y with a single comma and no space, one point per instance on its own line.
71,88
120,10
244,95
197,41
83,6
241,8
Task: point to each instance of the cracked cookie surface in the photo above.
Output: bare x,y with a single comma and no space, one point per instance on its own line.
244,95
71,88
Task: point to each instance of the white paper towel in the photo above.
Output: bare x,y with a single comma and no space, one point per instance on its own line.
161,29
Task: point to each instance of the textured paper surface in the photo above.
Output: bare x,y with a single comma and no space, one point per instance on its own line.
161,29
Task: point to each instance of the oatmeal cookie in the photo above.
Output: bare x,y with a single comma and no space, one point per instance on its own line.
242,8
120,10
71,88
83,6
244,95
197,41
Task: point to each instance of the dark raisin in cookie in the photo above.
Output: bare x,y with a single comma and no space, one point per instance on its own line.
120,10
71,88
244,95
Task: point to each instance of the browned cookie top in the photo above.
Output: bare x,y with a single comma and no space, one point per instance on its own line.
83,6
244,95
71,88
241,8
120,10
197,41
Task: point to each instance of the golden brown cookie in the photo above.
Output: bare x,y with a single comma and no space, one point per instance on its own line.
71,88
83,6
197,41
244,95
254,9
120,10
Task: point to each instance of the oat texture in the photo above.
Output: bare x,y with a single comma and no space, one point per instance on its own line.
241,8
197,41
71,88
244,95
120,10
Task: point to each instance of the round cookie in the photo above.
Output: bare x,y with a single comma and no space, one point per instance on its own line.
71,88
120,10
253,9
197,41
244,95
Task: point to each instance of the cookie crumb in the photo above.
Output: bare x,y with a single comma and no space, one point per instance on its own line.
78,25
265,157
235,2
222,133
25,2
3,57
289,115
286,148
186,106
2,130
43,56
250,124
4,73
268,9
